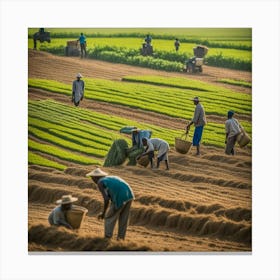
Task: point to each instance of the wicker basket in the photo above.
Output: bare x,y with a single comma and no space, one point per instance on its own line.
243,139
144,161
182,146
76,215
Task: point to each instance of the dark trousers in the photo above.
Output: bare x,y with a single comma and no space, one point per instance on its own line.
83,50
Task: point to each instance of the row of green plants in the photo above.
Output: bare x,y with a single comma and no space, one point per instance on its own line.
36,159
191,84
171,101
236,82
61,153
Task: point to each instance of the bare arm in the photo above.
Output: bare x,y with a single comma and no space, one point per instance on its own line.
105,198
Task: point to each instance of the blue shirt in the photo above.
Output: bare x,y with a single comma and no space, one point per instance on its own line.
82,39
115,189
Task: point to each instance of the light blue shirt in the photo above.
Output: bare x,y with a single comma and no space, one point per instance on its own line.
82,39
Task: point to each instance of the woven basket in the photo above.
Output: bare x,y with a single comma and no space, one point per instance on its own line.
243,139
76,215
144,161
182,146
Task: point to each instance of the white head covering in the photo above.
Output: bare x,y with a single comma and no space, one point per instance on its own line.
65,199
97,173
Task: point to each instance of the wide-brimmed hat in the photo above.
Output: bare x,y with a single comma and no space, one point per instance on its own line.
97,173
135,129
196,99
65,199
79,75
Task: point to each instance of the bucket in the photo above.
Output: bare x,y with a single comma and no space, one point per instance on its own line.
182,146
243,139
76,215
144,161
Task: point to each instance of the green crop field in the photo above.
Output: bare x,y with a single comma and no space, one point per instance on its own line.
48,120
172,101
83,136
229,48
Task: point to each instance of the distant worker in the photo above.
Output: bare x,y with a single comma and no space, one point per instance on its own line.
148,40
137,136
57,216
177,44
78,89
116,190
233,129
199,121
156,144
83,44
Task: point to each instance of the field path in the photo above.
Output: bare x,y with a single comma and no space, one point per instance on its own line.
43,64
201,204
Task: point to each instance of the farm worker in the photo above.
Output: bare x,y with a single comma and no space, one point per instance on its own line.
199,121
138,135
78,88
57,216
148,40
177,44
83,44
156,144
233,129
118,191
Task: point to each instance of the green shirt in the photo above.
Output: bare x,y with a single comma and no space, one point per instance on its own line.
115,189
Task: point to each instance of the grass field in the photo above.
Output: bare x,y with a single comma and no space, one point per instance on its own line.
215,34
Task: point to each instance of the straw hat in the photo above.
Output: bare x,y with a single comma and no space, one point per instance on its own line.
65,199
97,173
79,75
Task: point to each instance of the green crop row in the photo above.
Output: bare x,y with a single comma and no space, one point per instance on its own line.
58,132
39,160
187,83
175,102
67,144
61,153
236,82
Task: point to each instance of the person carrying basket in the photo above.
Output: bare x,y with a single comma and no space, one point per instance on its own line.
199,121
